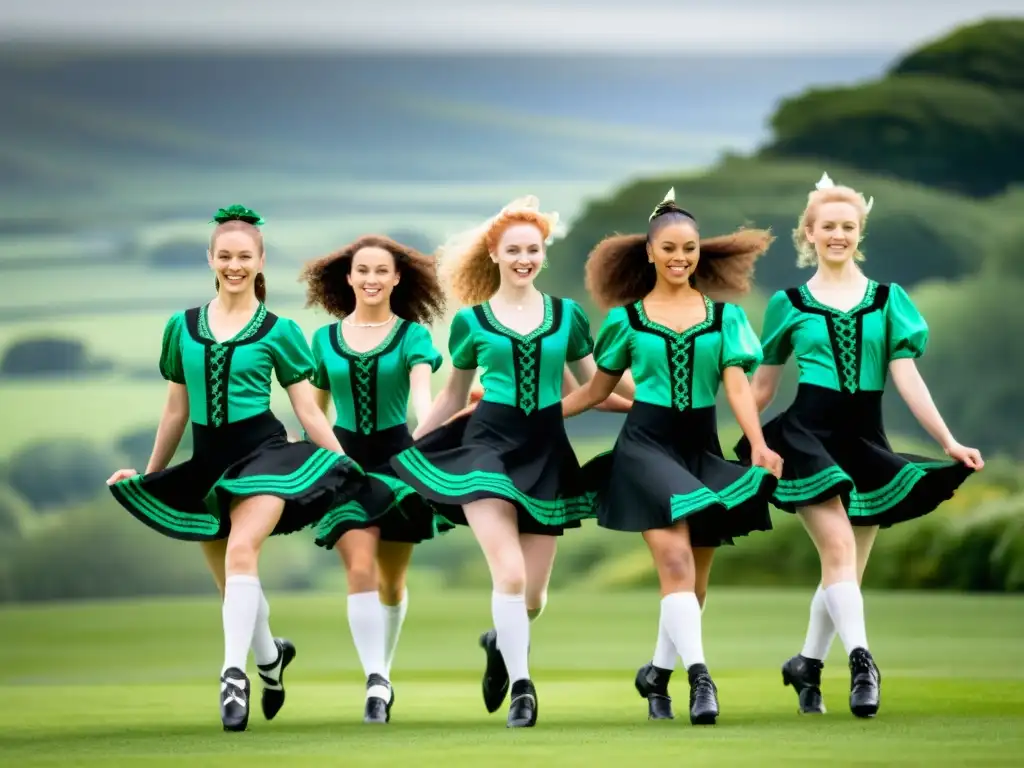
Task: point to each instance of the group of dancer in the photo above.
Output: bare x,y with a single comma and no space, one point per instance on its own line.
498,460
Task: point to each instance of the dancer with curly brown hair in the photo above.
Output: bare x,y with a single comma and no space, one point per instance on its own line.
380,351
245,481
843,480
508,463
666,477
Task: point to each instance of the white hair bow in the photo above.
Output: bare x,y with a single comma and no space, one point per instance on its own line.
825,182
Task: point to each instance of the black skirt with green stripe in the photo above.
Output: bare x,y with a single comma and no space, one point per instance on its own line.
834,444
667,467
386,502
192,501
500,452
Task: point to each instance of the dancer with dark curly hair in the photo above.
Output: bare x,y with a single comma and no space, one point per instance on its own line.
666,477
245,480
384,295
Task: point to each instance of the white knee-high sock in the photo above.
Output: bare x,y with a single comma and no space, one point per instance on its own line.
680,615
264,649
820,628
394,617
241,604
512,626
366,621
846,605
664,650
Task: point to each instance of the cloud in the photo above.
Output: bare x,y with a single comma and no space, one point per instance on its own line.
570,26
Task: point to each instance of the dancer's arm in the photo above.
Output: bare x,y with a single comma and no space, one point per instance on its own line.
172,425
912,388
311,416
448,402
744,406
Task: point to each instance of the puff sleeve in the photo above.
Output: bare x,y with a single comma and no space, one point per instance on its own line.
461,345
776,341
293,360
171,366
906,329
581,340
740,345
612,351
418,348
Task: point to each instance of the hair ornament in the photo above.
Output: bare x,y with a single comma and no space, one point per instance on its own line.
237,213
825,182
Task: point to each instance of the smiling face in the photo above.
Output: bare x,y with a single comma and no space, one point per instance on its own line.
519,254
236,257
674,249
835,232
373,276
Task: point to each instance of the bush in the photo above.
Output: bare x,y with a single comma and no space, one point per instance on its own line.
55,473
990,53
98,550
49,356
950,134
980,552
179,253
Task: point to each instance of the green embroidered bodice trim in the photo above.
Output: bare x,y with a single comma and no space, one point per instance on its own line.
218,361
364,376
844,324
526,353
680,351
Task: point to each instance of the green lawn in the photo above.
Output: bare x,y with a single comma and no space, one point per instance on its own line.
133,683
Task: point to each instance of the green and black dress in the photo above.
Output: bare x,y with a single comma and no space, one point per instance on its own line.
831,437
240,449
371,397
667,464
513,446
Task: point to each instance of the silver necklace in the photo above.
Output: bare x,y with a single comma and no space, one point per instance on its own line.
348,321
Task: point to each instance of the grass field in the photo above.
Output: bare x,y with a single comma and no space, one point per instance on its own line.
135,683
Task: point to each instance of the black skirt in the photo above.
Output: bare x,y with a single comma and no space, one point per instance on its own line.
192,501
500,452
667,467
386,502
834,444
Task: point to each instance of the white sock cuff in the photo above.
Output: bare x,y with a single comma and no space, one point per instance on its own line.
242,578
364,597
501,597
681,598
403,604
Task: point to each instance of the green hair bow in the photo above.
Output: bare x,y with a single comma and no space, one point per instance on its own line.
237,213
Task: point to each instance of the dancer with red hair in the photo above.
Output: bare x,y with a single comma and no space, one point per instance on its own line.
508,462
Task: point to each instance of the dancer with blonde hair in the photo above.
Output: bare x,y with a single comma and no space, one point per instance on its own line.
848,333
508,463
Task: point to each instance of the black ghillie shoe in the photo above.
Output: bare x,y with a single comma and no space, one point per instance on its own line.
652,684
804,675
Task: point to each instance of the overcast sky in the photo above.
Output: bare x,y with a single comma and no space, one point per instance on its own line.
676,26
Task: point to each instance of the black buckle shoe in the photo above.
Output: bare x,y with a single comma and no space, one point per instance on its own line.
377,709
804,675
522,712
865,684
703,696
273,690
652,684
234,699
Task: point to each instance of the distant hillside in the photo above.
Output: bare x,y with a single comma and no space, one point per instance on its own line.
106,133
